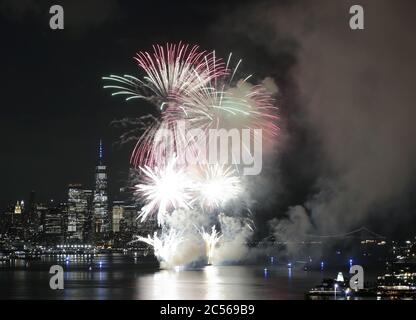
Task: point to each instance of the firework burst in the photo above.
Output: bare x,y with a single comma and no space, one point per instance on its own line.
163,190
177,69
192,89
164,247
224,103
217,184
193,86
211,240
170,71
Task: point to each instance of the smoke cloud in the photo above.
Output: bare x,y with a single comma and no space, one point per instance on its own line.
232,246
356,94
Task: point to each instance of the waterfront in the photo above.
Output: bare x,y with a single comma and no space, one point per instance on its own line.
123,277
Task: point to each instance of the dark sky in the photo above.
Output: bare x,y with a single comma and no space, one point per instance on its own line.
346,99
54,109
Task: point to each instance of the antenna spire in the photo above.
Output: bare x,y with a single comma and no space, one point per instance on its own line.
100,151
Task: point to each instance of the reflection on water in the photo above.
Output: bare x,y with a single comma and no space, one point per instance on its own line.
122,277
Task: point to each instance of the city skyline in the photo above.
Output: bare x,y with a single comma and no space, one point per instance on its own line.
89,181
86,216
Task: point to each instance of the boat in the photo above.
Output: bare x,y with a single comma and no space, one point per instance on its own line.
339,288
330,287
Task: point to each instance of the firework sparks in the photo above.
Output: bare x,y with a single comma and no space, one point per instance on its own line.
170,188
211,240
176,69
225,104
163,189
171,71
195,86
164,247
218,185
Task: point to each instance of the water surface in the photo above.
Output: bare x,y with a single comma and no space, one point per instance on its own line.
123,277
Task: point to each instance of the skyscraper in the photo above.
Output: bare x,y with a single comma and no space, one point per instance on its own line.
30,220
18,208
79,211
117,215
53,223
100,195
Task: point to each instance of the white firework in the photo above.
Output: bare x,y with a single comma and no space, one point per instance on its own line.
165,247
211,240
163,190
217,186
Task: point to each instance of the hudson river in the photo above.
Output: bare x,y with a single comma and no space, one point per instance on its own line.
123,277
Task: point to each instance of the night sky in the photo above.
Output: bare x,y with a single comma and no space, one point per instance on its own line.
347,155
54,108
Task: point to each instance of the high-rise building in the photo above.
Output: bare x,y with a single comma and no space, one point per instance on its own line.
31,223
79,212
40,211
117,215
30,210
18,208
53,223
101,221
14,221
131,226
128,225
